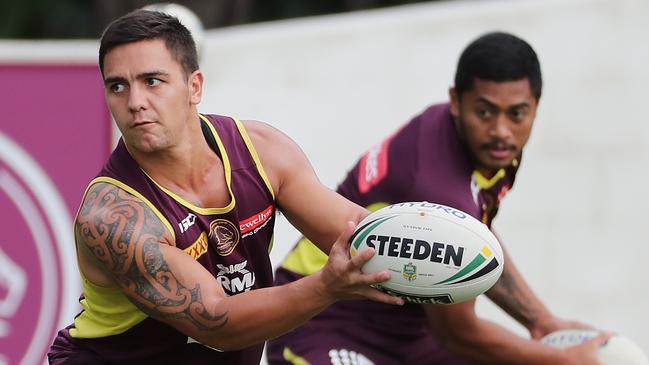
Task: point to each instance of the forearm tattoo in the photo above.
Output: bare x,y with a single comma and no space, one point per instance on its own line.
507,294
125,236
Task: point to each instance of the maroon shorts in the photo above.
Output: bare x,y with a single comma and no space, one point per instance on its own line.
360,333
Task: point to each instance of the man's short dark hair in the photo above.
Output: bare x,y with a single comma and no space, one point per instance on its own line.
141,25
498,57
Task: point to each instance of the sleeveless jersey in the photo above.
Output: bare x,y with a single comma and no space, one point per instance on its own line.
426,160
423,161
231,242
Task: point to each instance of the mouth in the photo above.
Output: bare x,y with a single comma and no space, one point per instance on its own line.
499,150
499,154
143,123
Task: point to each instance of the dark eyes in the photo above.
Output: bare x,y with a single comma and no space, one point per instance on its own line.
153,81
516,114
119,87
484,113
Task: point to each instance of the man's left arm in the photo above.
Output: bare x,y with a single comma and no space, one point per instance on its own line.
315,210
514,296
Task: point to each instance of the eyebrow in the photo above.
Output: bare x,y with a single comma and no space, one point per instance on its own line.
142,76
493,105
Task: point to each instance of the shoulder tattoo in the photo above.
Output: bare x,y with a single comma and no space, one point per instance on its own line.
125,236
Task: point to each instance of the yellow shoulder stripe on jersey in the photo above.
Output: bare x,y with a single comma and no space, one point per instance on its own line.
135,193
306,258
485,183
376,206
272,241
255,156
293,358
106,312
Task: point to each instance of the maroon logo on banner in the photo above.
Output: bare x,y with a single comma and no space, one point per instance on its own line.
38,275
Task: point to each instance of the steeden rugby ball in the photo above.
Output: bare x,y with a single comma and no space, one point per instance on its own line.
436,254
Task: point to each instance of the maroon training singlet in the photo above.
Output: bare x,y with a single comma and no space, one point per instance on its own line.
231,242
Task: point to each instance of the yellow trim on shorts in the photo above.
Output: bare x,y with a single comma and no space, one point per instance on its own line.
135,193
306,258
484,183
255,156
293,358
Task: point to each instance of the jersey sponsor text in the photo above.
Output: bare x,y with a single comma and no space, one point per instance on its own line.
198,248
235,278
253,224
373,167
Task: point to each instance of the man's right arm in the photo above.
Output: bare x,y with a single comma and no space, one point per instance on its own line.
122,237
462,332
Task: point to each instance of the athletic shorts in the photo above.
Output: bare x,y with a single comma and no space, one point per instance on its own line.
359,333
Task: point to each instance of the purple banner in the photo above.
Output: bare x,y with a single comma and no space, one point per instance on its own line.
55,134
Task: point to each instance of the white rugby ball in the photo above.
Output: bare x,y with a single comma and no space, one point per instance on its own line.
619,350
435,254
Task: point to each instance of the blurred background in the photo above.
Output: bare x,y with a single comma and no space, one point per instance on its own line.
339,76
37,19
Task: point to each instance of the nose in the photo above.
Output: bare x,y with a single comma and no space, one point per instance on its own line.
136,99
501,128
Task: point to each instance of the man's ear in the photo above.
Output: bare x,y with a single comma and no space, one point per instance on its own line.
455,102
195,83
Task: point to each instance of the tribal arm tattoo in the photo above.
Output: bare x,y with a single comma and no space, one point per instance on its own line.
514,296
126,237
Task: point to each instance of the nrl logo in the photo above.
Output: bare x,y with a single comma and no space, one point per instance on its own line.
410,271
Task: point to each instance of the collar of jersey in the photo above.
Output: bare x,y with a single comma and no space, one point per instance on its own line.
228,180
485,183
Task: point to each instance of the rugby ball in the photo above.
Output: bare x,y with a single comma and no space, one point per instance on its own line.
435,254
618,350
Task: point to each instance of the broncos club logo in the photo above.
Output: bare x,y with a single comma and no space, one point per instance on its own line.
225,234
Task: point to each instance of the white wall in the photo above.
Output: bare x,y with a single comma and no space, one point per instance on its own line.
574,222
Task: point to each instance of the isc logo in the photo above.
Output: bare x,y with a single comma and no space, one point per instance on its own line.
187,222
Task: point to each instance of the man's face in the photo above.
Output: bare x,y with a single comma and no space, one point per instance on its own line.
149,95
495,120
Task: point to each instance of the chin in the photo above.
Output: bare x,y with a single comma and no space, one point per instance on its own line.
494,165
497,165
145,146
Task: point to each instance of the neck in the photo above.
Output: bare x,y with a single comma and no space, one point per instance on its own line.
184,164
